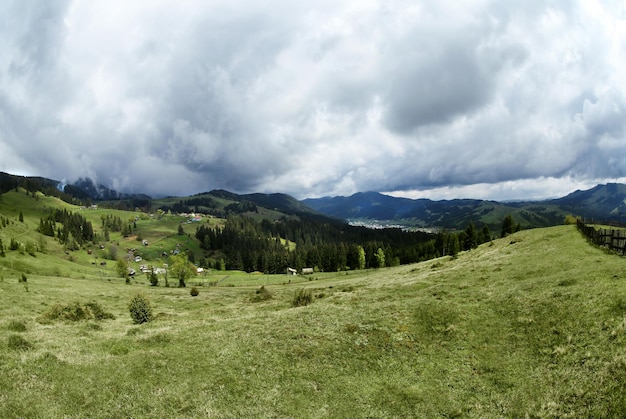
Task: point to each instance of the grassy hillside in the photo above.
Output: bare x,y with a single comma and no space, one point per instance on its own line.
533,325
51,258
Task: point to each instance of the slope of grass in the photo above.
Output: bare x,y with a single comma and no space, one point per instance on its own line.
530,325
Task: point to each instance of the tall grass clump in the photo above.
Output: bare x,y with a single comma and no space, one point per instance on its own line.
140,309
303,297
76,312
261,294
16,326
16,342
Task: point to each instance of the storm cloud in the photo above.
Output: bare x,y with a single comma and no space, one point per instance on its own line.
481,98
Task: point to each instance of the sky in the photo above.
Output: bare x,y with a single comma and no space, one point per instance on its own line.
423,98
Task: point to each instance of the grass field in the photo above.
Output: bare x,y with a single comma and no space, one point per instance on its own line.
531,325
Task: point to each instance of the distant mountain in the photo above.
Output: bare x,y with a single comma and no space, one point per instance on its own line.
9,181
81,189
86,188
283,203
409,212
603,202
221,203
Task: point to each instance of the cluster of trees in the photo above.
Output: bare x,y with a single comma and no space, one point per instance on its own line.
195,204
111,222
241,207
272,246
209,206
76,229
509,226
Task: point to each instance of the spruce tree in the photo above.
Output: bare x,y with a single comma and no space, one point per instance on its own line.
508,226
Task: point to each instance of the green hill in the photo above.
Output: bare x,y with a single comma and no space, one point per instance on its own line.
530,325
90,261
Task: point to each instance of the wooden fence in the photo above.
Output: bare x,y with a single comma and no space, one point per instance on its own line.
613,239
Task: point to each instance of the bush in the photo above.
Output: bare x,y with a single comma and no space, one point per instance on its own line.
302,297
76,312
98,312
194,291
262,294
153,278
140,309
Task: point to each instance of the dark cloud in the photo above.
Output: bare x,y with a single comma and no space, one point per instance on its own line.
314,99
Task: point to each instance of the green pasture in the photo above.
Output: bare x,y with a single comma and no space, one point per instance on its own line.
532,325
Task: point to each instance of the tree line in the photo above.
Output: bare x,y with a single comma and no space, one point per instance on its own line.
272,246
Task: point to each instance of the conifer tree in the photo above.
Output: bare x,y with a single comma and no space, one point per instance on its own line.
508,226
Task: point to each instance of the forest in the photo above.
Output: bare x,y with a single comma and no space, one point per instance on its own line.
272,246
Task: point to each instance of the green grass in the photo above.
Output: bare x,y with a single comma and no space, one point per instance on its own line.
531,325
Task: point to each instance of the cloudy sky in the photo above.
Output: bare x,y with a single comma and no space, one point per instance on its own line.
422,98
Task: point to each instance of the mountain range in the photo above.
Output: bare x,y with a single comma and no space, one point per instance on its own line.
602,203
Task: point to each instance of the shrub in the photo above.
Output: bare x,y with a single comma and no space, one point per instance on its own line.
153,278
194,291
302,297
140,309
262,294
76,312
98,312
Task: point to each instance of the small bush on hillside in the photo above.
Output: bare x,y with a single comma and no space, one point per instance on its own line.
571,219
194,291
153,278
98,312
302,297
262,294
77,312
140,309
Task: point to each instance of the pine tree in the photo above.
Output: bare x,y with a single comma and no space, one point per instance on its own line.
508,226
471,238
486,233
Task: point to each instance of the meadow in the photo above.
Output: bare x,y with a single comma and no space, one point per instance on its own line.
532,325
